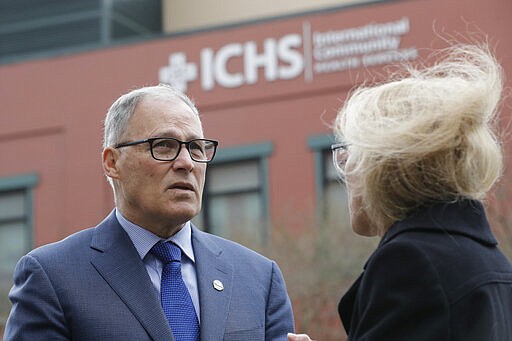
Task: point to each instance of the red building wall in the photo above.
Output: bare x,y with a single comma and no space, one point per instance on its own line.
52,109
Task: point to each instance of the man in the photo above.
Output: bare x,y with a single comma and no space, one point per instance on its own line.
110,283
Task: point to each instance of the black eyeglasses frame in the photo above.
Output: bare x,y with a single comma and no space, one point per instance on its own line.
151,140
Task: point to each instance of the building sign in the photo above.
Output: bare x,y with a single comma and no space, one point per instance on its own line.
307,53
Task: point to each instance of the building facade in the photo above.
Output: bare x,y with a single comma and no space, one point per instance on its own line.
267,89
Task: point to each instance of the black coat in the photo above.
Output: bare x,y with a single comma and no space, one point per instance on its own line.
436,275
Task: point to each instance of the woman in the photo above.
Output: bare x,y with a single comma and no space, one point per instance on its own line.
418,154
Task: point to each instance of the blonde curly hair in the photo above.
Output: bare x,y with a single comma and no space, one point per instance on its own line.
425,136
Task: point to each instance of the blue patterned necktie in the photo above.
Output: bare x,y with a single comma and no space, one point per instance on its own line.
176,300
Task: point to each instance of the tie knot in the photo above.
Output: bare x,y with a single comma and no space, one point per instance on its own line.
166,252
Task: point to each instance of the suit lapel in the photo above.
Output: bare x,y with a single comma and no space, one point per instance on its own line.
118,262
214,303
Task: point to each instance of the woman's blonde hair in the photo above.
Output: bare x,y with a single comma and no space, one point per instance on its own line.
425,136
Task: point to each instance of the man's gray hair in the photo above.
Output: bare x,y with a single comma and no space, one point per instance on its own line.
122,109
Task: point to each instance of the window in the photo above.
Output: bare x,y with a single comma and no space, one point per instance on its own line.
236,201
32,27
15,231
330,190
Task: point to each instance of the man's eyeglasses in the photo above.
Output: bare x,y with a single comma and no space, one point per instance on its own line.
168,149
339,156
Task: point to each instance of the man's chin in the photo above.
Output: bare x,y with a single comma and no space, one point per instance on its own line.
183,213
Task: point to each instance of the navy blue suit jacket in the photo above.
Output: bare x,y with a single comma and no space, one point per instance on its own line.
94,286
437,275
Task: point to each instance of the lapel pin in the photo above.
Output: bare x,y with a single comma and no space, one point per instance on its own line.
218,285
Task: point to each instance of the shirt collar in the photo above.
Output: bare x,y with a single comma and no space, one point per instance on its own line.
144,240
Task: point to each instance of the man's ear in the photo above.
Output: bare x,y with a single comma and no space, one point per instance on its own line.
110,157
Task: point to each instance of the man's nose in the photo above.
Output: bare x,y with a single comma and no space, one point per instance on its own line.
184,160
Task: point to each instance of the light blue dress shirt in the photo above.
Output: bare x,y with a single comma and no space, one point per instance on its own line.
143,240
